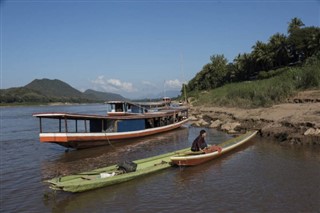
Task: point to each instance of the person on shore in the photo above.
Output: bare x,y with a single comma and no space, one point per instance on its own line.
199,143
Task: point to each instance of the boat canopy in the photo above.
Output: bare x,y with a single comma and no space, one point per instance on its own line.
76,116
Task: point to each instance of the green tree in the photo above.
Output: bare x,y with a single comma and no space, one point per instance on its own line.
295,24
244,67
303,43
212,75
218,70
262,55
278,44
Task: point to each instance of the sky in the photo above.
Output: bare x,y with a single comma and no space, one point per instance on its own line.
134,47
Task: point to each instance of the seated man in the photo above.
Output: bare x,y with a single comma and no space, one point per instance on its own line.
199,144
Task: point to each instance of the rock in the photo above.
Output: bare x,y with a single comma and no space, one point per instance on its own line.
203,122
286,123
196,124
200,122
215,124
193,118
230,126
282,136
312,131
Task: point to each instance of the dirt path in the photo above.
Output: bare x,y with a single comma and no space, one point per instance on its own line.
295,122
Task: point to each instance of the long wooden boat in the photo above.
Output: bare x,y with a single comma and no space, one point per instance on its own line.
111,175
86,130
195,158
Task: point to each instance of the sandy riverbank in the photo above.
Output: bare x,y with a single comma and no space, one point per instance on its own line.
295,122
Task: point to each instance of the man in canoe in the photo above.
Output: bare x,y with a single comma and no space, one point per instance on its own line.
199,144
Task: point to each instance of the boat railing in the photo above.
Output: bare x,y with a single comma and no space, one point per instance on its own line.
70,125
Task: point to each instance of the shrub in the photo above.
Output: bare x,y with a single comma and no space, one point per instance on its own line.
286,82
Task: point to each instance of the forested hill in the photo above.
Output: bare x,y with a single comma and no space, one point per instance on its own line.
54,88
49,91
107,96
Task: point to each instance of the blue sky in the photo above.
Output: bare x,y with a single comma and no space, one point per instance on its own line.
133,48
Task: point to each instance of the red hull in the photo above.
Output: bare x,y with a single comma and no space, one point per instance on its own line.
85,140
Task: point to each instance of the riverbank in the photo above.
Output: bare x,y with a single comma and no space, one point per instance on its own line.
294,122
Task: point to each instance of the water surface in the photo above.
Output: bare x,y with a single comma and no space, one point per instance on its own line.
261,176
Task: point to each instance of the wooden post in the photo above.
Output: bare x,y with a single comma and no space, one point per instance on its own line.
40,121
66,124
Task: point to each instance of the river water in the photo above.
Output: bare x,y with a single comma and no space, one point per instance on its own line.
261,176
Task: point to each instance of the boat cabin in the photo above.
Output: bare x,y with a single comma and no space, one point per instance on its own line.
123,108
115,108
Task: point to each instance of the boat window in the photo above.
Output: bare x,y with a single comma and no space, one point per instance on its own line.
119,107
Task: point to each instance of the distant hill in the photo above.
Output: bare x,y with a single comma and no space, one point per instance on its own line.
169,93
48,91
104,96
20,95
54,88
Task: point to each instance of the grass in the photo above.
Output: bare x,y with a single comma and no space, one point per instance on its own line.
263,93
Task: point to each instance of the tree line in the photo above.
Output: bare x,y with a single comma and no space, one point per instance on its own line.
266,59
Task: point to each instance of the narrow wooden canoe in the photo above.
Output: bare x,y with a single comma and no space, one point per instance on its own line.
195,158
110,175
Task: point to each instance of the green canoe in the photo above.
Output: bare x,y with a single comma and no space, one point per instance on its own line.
111,175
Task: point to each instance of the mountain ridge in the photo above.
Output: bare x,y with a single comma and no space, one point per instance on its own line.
49,91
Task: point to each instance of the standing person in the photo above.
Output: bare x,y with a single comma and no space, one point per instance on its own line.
199,143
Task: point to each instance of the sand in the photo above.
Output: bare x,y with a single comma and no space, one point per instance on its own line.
294,122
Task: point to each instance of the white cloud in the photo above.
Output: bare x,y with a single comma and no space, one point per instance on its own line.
173,84
148,84
142,89
113,85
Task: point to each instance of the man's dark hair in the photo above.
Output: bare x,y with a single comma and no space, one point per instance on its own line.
202,131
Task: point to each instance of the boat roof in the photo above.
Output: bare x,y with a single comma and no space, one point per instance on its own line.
154,103
76,116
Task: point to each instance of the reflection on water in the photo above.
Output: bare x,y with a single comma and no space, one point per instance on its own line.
88,159
261,176
248,179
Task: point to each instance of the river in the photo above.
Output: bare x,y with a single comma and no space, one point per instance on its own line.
261,176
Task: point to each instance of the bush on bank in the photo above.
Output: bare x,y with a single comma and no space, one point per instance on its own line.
265,92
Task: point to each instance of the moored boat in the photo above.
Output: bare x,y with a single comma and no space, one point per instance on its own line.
125,121
111,175
196,158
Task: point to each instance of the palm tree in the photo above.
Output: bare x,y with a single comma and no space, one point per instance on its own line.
244,67
263,56
295,24
278,44
313,41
